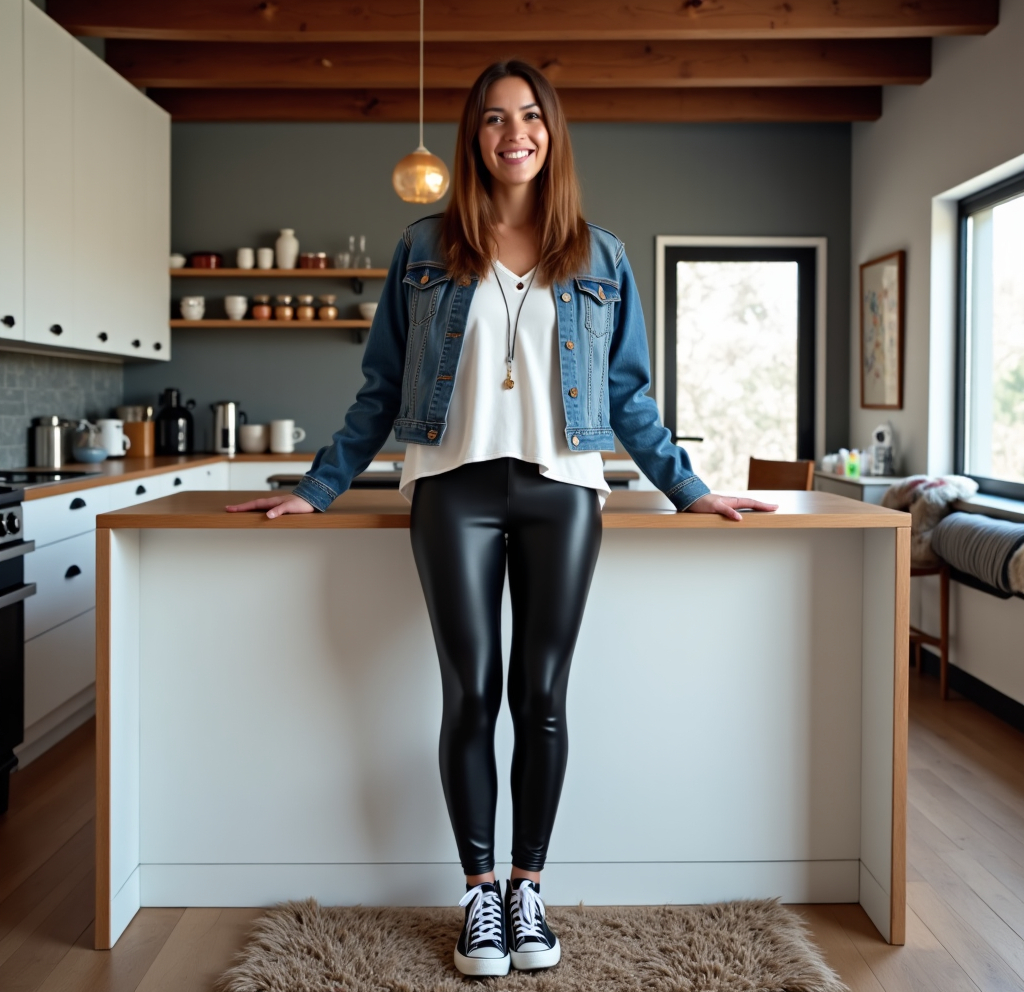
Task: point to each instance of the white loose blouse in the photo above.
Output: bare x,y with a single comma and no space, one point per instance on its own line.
487,421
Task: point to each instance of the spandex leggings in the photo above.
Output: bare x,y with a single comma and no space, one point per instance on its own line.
467,525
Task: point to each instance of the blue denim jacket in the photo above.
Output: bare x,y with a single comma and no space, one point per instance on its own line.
412,358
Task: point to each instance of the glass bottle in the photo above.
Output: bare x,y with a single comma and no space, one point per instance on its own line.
328,311
305,309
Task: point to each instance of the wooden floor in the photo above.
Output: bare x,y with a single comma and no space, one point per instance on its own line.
965,926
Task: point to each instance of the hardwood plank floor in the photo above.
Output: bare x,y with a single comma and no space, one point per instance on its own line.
965,891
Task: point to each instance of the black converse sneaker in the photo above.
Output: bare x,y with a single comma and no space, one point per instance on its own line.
531,941
483,944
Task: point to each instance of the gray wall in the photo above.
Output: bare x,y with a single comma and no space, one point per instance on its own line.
39,385
236,184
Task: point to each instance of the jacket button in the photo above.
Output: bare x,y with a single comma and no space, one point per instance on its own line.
569,345
424,278
566,297
431,435
600,292
574,392
575,441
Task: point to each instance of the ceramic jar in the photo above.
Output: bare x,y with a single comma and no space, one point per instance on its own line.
284,309
261,309
328,311
245,258
264,258
286,248
305,309
193,307
235,307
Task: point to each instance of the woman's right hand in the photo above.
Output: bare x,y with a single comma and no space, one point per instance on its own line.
276,506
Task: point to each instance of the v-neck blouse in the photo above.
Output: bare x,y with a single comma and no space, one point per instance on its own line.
488,421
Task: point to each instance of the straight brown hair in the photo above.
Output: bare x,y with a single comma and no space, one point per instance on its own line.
468,225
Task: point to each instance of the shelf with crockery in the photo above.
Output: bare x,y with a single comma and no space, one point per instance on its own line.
324,325
186,273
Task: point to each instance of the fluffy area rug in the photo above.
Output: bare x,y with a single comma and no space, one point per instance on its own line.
749,946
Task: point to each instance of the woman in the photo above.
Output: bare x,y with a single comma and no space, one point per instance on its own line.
538,313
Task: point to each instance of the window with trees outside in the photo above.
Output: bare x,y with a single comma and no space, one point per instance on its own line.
739,355
990,402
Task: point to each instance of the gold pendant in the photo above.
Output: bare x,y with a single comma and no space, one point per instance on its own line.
508,383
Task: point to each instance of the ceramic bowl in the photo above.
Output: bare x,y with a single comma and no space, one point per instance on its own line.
193,307
177,261
367,310
89,455
235,306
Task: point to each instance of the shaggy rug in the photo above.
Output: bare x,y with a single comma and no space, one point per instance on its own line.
730,947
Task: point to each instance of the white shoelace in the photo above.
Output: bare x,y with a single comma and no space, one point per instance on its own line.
485,914
528,913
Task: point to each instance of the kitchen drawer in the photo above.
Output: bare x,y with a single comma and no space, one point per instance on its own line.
58,517
254,475
122,494
58,665
204,477
65,578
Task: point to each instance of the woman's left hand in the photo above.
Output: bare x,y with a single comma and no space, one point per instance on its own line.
728,506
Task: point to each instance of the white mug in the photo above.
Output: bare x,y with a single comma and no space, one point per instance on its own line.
245,258
193,307
252,438
283,435
112,438
235,306
264,258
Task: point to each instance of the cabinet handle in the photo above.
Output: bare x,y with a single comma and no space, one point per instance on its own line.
140,490
77,503
177,481
136,343
157,346
102,335
72,571
8,321
56,329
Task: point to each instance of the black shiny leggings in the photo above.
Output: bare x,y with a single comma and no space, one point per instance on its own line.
466,525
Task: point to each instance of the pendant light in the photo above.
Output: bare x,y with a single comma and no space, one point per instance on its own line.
420,177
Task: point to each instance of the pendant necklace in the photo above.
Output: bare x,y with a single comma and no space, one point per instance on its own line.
510,331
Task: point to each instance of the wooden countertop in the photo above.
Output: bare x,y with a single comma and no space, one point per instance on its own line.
389,509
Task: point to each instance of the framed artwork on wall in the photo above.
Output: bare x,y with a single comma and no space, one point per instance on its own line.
881,332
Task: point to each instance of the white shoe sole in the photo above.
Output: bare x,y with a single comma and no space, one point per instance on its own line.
478,967
531,960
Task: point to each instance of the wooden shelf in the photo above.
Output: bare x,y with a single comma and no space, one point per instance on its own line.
326,325
278,273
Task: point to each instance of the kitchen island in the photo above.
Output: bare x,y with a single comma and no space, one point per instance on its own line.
268,707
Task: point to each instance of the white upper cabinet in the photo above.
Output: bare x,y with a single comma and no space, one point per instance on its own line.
12,177
49,61
97,201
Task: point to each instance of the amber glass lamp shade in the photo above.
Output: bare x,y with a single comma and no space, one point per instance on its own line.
420,177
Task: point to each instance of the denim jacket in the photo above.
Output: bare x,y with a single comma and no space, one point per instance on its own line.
412,358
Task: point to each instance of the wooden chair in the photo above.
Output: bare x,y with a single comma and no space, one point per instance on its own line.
919,637
764,474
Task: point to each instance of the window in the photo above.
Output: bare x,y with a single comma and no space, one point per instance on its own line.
990,401
738,355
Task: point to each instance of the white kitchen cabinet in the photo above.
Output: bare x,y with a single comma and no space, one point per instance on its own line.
12,176
65,578
58,665
254,475
152,281
49,60
55,518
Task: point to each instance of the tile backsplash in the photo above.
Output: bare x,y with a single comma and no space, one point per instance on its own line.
37,385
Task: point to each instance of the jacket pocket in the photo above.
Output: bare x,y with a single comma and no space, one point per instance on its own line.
425,282
598,297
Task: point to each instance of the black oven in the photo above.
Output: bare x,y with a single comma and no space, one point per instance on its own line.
13,593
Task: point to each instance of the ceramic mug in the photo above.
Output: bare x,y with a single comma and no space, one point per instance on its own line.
235,306
193,307
112,438
245,258
264,258
252,438
283,435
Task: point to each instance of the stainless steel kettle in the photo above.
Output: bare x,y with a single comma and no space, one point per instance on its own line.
226,418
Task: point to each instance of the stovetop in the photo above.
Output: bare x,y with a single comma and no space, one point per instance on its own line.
25,477
10,495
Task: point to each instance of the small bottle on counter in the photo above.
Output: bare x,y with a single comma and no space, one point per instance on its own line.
853,464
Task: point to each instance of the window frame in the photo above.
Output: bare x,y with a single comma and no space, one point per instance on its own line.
811,358
1000,192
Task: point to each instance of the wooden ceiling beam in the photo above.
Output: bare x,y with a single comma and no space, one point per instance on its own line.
768,104
585,64
522,20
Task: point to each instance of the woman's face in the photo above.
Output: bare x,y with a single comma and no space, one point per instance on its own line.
513,137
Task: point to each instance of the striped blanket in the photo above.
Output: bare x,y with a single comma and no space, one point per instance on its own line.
983,549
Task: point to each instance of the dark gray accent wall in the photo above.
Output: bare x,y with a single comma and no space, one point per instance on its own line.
237,184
